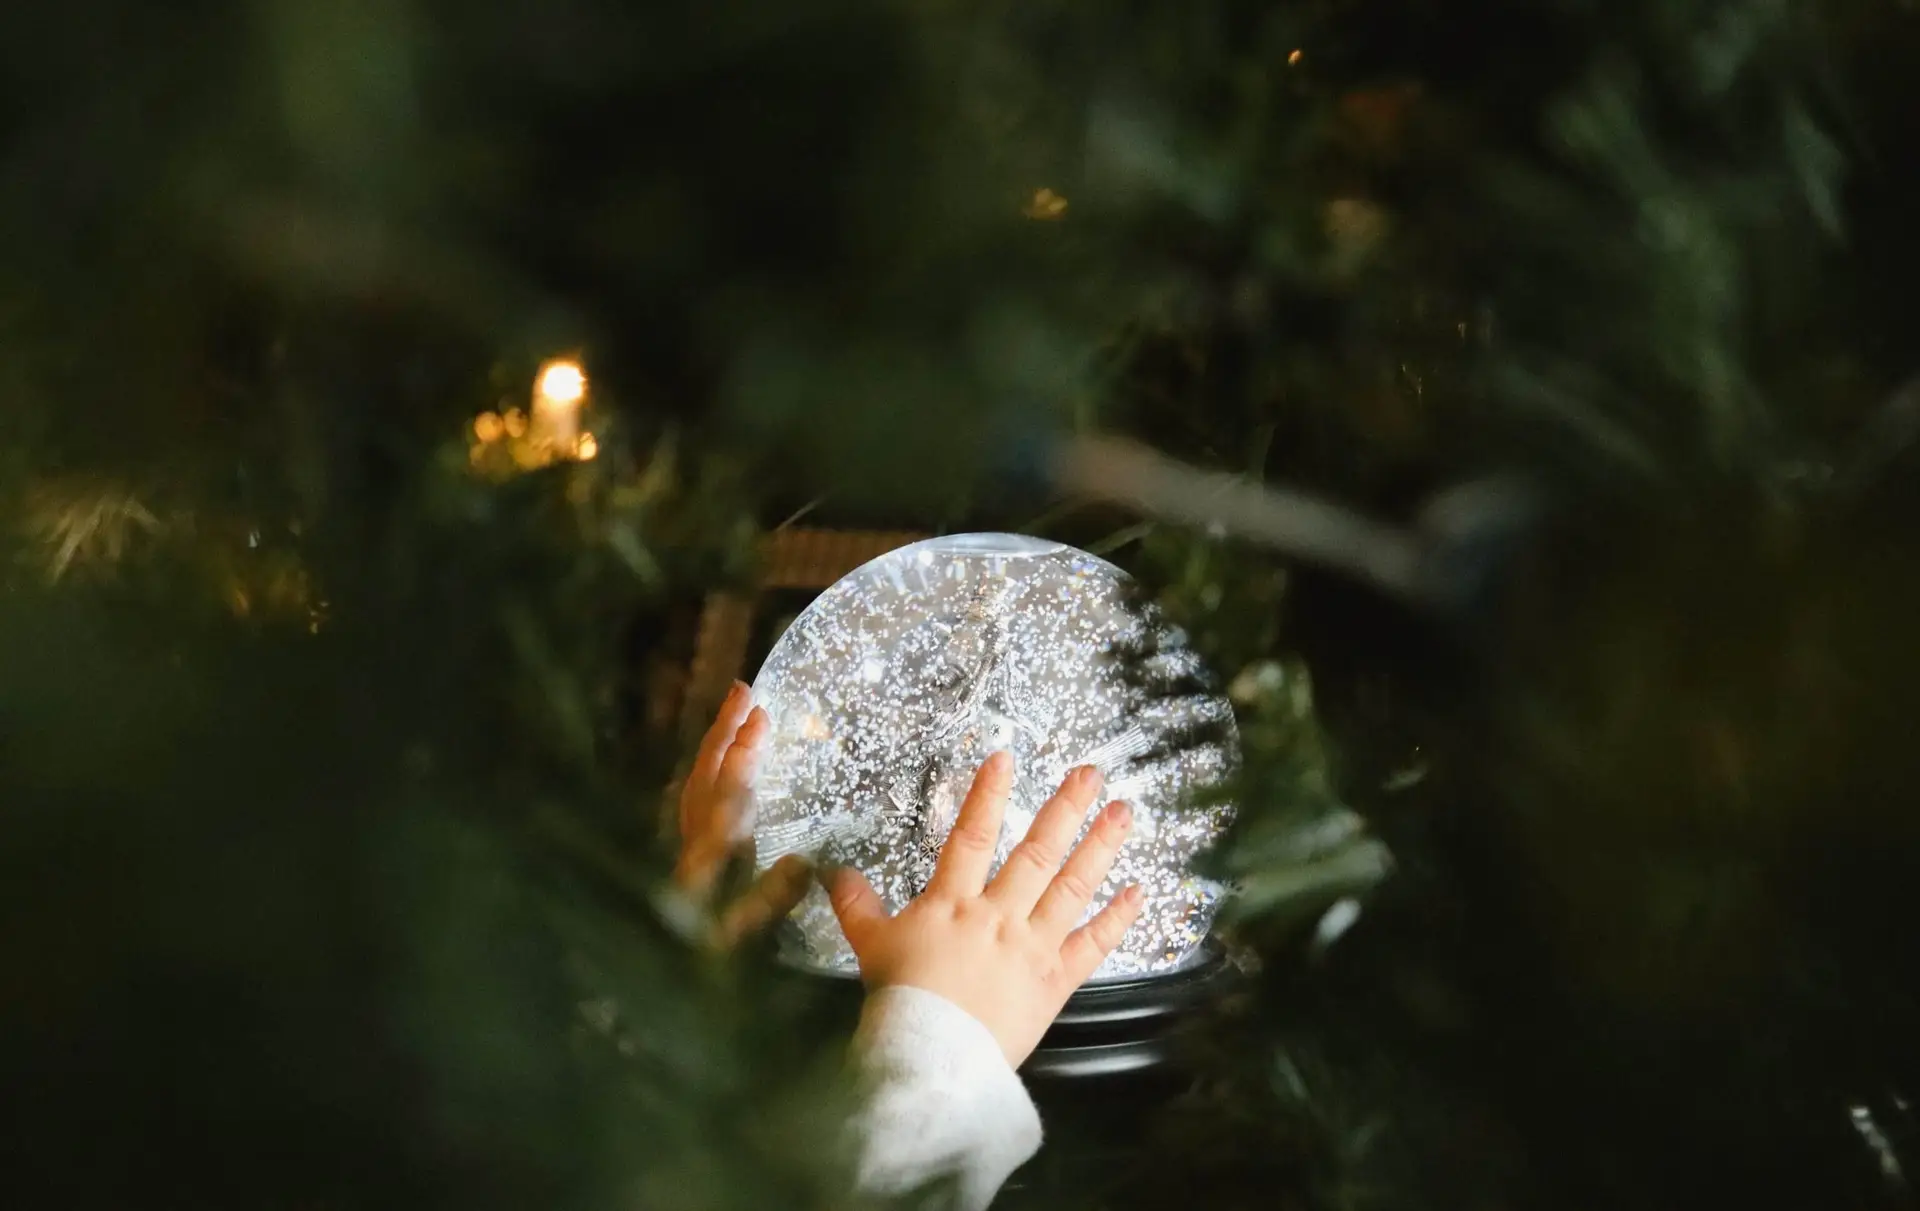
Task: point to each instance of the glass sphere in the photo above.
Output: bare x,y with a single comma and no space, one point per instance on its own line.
889,691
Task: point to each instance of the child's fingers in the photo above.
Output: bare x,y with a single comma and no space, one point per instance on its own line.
733,784
1036,860
716,823
968,852
773,896
1072,889
1088,946
701,860
713,749
855,903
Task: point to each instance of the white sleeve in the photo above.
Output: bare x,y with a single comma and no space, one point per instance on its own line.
942,1099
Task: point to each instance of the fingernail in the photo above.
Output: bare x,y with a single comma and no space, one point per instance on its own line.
1091,775
1133,895
1120,813
734,691
1002,762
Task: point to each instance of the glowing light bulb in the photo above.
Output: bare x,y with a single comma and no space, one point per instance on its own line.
562,382
1045,205
557,397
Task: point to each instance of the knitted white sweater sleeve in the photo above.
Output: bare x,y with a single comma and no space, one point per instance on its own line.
943,1100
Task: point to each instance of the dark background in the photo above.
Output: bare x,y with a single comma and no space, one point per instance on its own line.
329,779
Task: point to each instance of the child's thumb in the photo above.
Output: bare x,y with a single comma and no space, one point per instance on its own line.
854,901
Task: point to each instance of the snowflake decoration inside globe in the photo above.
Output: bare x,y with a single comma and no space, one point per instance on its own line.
889,691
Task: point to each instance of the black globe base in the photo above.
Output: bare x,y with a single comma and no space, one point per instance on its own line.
1125,1029
1118,1032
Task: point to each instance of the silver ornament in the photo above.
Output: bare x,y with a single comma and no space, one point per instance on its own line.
889,691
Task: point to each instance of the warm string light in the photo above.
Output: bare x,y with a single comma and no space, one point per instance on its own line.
561,383
558,393
1045,205
548,431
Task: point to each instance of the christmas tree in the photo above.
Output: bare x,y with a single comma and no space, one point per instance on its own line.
392,389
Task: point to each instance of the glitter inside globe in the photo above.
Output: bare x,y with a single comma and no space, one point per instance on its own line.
888,692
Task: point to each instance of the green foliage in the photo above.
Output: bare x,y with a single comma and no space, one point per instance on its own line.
330,790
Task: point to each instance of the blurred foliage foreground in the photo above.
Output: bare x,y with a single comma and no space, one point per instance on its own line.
331,669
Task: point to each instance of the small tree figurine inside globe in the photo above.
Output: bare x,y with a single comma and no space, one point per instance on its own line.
887,693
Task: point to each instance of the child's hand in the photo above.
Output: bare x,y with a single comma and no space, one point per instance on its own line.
1007,954
713,811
